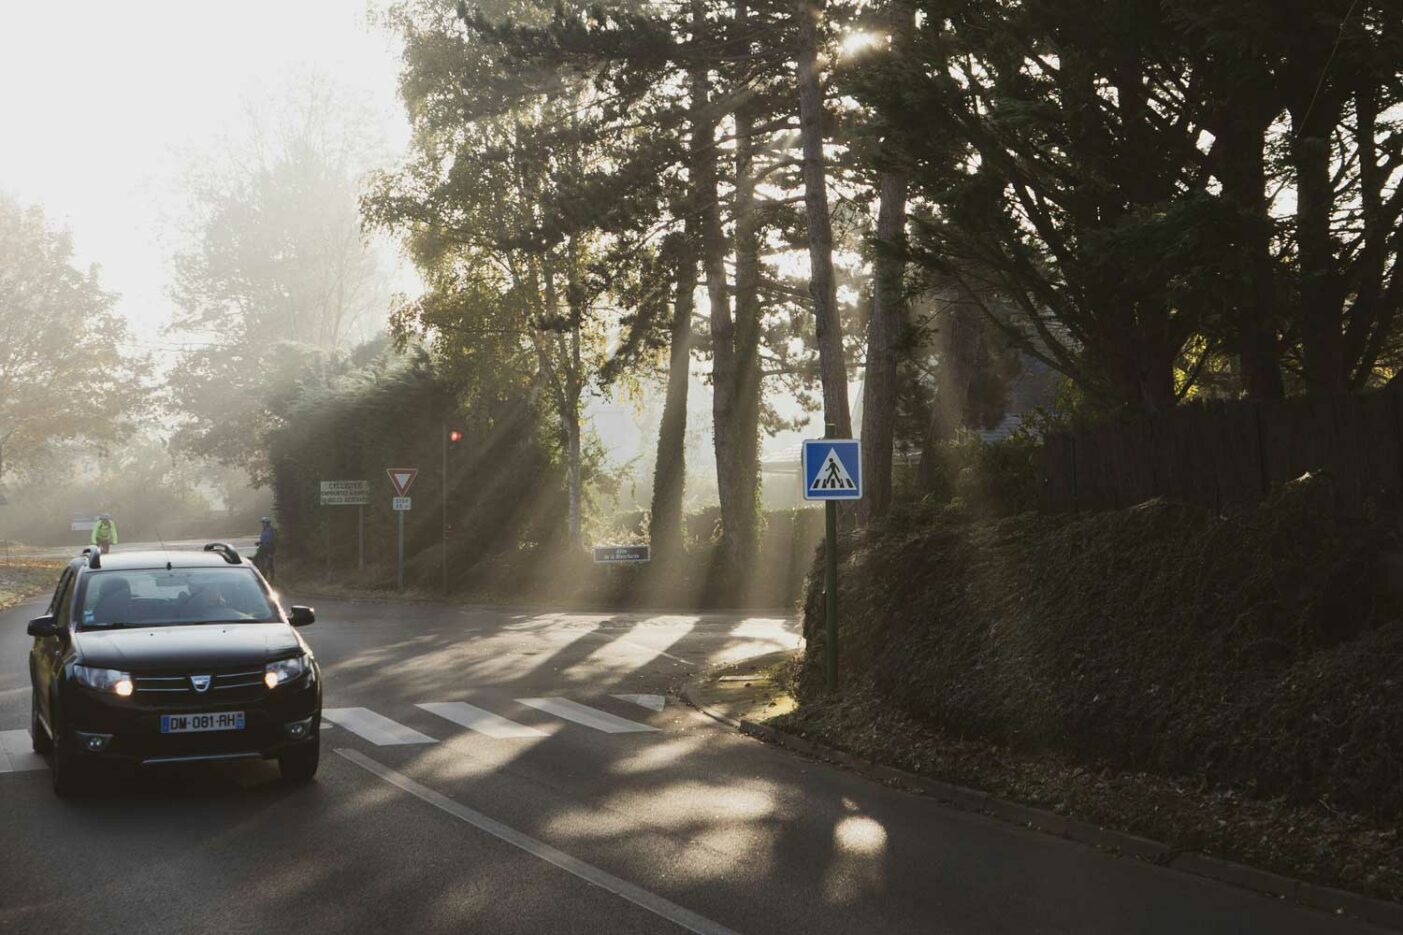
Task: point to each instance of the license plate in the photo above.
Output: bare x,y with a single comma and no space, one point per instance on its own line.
197,723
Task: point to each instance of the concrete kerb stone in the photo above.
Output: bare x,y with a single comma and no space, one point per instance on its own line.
1262,881
1332,900
1376,911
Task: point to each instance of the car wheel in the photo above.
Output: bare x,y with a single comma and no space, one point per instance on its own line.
38,737
69,774
300,764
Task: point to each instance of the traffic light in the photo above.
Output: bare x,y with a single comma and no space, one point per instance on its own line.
455,436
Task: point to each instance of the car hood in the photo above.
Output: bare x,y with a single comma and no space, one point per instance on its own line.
181,648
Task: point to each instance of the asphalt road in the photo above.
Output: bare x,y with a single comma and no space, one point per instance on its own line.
539,801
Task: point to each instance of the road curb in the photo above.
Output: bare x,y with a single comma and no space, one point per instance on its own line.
1376,911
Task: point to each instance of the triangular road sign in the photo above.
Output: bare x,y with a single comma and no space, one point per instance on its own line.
402,478
832,476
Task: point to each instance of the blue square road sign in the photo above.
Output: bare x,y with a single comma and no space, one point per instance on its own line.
832,469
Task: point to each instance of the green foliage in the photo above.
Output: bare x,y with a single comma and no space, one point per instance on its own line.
1252,650
385,408
987,478
64,371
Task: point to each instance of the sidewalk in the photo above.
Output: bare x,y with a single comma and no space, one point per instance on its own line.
751,692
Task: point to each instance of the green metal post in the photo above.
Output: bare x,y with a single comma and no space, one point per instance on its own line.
399,577
830,586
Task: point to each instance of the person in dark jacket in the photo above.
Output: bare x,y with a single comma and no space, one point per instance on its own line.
267,547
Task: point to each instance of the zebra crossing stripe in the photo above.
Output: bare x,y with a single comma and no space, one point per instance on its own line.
477,719
373,727
589,717
651,702
16,753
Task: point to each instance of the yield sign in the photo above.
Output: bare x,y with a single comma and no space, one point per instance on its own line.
402,478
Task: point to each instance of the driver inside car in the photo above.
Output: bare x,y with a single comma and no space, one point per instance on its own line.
206,602
114,602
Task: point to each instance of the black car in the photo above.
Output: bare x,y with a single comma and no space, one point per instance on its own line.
167,657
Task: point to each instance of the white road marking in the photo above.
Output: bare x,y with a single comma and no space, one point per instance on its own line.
640,897
376,728
651,702
635,643
17,754
589,717
484,722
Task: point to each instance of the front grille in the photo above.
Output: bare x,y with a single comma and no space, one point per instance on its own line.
181,684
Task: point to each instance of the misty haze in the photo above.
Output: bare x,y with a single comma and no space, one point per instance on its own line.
723,466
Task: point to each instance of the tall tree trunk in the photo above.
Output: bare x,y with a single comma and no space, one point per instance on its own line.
1371,316
574,387
746,424
1257,300
730,484
884,333
822,287
957,339
1322,334
670,475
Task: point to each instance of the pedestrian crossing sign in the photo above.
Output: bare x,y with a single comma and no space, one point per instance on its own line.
832,469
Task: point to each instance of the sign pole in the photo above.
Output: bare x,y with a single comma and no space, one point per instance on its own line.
402,479
443,558
832,471
400,574
360,537
830,585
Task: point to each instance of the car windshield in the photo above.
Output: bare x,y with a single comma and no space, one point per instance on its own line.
163,597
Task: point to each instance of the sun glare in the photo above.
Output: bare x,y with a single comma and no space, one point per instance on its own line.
855,43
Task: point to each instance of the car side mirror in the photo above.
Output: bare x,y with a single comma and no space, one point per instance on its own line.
300,616
44,626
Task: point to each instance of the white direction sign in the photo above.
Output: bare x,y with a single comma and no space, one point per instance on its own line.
401,504
621,554
403,479
345,492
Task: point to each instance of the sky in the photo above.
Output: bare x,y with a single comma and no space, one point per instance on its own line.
103,105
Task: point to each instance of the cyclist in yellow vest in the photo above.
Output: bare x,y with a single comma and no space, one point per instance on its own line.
105,533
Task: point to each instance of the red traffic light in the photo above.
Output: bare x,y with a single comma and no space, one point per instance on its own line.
455,436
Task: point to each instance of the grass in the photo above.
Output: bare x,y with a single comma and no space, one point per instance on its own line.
21,580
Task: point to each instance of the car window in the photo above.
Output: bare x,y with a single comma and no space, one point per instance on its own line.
161,597
61,592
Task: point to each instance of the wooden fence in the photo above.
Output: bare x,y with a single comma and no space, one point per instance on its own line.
1218,453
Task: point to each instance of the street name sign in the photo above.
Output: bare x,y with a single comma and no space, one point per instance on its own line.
401,504
345,492
402,478
832,469
621,554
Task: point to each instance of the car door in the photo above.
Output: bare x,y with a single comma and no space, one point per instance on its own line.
47,655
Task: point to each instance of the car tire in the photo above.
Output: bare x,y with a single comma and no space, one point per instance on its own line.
300,764
69,773
39,738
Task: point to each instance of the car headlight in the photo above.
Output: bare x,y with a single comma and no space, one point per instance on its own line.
104,680
285,670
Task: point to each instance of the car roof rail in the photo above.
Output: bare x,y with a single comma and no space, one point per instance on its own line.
231,554
94,556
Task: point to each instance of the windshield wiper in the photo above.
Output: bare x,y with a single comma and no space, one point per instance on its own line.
113,626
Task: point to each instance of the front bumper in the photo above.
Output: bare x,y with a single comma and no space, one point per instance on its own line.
132,726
